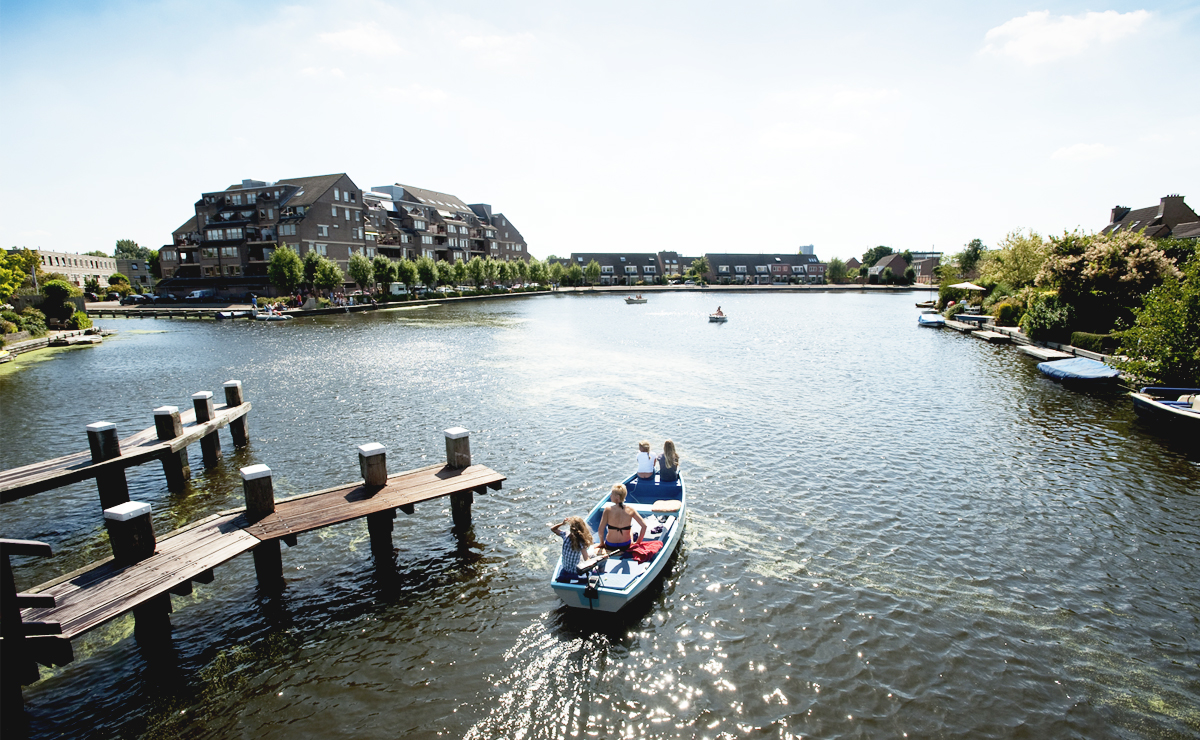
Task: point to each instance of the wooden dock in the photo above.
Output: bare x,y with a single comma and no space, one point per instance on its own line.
991,337
1045,354
38,626
136,449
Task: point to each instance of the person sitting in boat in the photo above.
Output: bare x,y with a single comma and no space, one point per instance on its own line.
719,312
576,546
668,463
616,523
645,463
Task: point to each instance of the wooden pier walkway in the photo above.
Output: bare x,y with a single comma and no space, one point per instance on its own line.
88,598
135,449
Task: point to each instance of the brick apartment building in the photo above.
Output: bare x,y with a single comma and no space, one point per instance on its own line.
229,241
78,268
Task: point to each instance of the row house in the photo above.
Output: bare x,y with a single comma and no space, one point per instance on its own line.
409,222
77,268
622,268
763,269
1170,218
229,240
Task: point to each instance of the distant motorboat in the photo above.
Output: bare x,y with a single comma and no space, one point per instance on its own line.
636,300
927,304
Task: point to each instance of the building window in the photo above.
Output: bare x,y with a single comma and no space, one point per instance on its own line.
606,268
321,249
494,246
761,268
322,230
208,253
740,269
650,270
334,211
215,235
287,229
370,251
235,199
630,270
335,195
251,198
357,216
419,225
233,269
428,253
210,271
270,214
229,251
233,233
167,254
427,239
404,239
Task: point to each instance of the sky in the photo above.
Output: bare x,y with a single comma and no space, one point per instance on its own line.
619,126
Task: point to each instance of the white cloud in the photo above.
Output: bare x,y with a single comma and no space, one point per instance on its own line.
362,38
498,49
1038,37
1083,152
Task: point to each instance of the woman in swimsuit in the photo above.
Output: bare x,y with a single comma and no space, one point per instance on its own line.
616,523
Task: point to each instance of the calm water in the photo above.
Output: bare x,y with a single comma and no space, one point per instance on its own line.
894,531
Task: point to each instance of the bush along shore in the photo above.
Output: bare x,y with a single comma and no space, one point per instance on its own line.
1121,294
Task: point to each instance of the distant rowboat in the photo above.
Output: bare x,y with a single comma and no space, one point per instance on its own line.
636,300
718,318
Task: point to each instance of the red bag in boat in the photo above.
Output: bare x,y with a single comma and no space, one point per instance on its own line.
644,551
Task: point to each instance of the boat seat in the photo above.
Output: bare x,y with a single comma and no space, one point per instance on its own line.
666,506
619,572
654,523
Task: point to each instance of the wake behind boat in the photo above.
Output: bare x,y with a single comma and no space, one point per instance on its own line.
618,579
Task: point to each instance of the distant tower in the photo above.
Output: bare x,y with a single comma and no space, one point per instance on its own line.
806,249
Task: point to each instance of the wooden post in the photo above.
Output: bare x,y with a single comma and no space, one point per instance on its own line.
18,667
102,439
260,503
458,455
237,427
210,444
372,461
130,532
175,464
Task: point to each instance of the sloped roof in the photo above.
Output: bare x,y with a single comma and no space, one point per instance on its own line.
188,226
310,188
433,198
1190,230
1157,221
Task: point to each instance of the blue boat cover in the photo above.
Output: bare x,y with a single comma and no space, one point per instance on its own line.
1078,368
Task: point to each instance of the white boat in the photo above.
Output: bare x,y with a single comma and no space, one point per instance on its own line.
635,300
232,314
934,320
1176,405
718,318
264,316
618,580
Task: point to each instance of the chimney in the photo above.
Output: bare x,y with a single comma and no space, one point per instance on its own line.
1118,213
1166,201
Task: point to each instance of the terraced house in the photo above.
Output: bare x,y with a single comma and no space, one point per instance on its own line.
231,237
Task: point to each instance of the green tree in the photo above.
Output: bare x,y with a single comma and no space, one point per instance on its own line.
406,272
445,272
284,269
460,272
910,276
537,271
56,294
887,277
361,270
97,253
592,272
573,275
116,279
1163,345
312,261
491,269
153,265
503,271
1016,261
92,285
29,262
427,272
836,271
968,259
128,249
12,277
476,270
329,275
874,254
522,270
863,271
699,267
555,272
384,271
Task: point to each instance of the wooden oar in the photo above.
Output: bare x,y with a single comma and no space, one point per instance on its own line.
586,565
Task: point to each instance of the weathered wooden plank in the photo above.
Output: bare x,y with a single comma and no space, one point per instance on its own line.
136,449
355,501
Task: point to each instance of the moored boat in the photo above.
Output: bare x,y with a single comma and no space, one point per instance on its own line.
232,314
934,320
264,316
1079,369
927,304
617,580
1181,405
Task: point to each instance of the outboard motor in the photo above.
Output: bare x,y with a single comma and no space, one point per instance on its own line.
593,588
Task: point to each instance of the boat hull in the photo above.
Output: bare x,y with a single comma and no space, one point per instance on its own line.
636,300
718,319
623,580
1152,408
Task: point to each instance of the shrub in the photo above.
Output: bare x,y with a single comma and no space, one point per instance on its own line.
1103,344
954,310
1048,320
7,327
34,322
1006,314
79,320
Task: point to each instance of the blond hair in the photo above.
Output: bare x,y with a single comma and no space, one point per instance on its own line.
579,533
644,445
670,455
620,492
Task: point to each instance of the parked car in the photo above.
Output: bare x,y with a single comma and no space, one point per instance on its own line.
90,297
201,295
165,298
133,299
113,297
